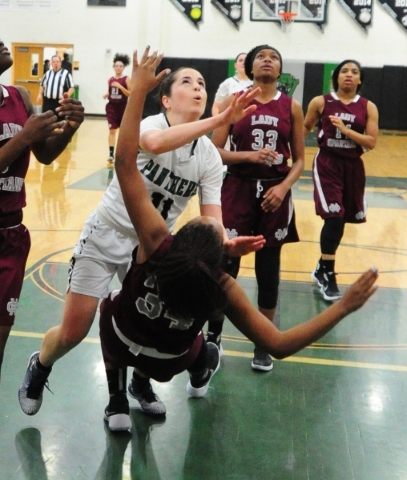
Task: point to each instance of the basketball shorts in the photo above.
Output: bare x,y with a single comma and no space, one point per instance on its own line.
339,187
101,252
114,114
243,215
14,249
116,352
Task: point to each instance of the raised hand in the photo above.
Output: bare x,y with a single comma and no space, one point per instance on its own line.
143,75
239,105
243,245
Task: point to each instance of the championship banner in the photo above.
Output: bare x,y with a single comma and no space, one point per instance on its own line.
232,9
396,9
192,9
360,10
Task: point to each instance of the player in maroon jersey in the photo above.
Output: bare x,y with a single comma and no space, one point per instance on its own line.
256,192
21,131
347,126
175,283
118,91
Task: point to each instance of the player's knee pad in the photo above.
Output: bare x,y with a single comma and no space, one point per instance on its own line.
331,234
267,267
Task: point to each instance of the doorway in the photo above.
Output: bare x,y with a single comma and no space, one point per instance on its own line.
28,67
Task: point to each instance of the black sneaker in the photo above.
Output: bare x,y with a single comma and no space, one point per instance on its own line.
197,387
149,402
117,413
262,360
211,338
318,276
32,388
329,288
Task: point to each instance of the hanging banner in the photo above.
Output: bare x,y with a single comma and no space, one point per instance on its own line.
192,9
396,9
232,9
360,10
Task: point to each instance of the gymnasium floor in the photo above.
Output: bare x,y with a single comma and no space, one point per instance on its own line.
335,411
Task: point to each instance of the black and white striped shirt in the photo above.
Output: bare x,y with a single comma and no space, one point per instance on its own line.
55,84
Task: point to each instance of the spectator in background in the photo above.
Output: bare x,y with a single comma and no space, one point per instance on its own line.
46,66
53,85
66,63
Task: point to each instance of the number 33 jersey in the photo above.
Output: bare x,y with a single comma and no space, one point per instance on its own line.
269,126
172,178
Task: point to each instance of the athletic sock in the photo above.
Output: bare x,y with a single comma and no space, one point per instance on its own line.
327,265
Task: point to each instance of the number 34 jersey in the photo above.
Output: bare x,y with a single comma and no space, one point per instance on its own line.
172,178
143,318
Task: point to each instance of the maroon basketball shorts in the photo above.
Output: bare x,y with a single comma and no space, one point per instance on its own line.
116,351
339,187
242,213
114,114
14,249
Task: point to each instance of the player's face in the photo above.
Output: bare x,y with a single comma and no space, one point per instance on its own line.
5,58
56,63
188,94
239,64
349,77
266,64
118,68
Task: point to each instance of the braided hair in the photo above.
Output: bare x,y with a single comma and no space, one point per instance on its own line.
188,277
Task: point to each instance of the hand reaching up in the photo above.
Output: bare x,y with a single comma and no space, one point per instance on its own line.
238,108
143,75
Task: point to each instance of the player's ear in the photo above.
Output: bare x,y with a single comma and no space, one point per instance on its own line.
166,101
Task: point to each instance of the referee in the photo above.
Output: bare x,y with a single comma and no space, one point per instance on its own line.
55,82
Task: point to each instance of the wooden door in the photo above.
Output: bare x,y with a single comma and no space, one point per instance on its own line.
28,68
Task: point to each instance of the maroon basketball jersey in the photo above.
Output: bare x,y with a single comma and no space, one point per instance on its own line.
269,126
354,116
13,116
143,318
115,94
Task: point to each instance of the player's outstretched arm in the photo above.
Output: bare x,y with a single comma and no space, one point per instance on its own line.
262,332
160,141
148,223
